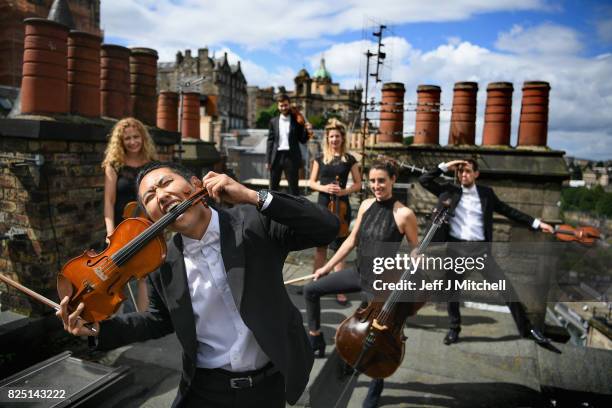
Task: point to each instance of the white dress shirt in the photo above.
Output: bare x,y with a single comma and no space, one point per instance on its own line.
224,341
284,123
467,223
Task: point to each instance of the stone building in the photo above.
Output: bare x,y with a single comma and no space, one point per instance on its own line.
85,17
223,90
319,95
315,96
258,99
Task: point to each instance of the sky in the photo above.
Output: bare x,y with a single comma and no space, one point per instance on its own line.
439,42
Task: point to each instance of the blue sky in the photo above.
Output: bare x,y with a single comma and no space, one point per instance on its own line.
568,43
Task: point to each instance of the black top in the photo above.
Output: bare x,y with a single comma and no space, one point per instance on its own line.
337,167
126,190
378,237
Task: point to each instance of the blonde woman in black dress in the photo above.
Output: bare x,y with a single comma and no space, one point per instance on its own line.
329,177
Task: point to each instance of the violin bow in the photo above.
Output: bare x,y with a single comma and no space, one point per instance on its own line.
34,295
300,279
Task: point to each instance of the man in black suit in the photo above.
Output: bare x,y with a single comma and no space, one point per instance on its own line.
283,149
472,207
221,290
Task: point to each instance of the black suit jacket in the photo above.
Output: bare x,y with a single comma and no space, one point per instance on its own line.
297,134
254,246
488,200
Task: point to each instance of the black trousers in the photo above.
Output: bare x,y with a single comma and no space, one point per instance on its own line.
210,389
491,272
344,281
283,162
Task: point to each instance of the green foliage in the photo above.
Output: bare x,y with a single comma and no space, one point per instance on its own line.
592,200
317,121
409,140
265,115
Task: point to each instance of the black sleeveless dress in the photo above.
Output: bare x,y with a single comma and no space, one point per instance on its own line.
327,175
126,190
378,237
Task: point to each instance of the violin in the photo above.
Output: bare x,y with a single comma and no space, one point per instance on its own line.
340,209
372,339
584,235
301,120
136,248
131,210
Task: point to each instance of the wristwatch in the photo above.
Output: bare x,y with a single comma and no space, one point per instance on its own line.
262,196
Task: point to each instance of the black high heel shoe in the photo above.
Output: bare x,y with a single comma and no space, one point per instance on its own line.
318,345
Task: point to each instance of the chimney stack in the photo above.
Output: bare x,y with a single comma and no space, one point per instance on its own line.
44,86
143,84
84,73
463,116
167,111
427,129
533,127
498,114
114,81
392,113
190,123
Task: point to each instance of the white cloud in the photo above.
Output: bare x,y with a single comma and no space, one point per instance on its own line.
604,30
171,24
546,38
580,98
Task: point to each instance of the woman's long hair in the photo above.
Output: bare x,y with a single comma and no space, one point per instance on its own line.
114,155
328,154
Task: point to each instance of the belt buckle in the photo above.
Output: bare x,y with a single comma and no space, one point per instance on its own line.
241,382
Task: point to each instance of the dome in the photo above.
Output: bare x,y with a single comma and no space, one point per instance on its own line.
322,72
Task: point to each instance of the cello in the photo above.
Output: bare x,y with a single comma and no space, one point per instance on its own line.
372,340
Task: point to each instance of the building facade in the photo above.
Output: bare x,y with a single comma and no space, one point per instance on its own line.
85,15
258,100
320,96
224,88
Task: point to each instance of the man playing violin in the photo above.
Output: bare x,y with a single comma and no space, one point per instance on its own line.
473,206
283,146
221,290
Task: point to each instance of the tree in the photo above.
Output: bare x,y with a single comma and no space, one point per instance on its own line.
265,115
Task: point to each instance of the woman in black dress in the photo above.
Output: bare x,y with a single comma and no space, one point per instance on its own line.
329,177
382,222
129,148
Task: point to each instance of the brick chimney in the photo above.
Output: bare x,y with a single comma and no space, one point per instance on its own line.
533,126
167,111
463,116
84,73
143,84
392,113
427,129
498,114
114,81
190,124
44,81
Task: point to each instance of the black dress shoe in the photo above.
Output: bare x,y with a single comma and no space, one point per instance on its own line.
318,345
452,336
538,336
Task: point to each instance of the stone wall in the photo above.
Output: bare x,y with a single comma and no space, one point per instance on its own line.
57,206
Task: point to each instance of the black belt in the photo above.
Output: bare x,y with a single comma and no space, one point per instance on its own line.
233,380
453,239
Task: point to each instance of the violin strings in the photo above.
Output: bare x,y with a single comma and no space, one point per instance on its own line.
124,254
